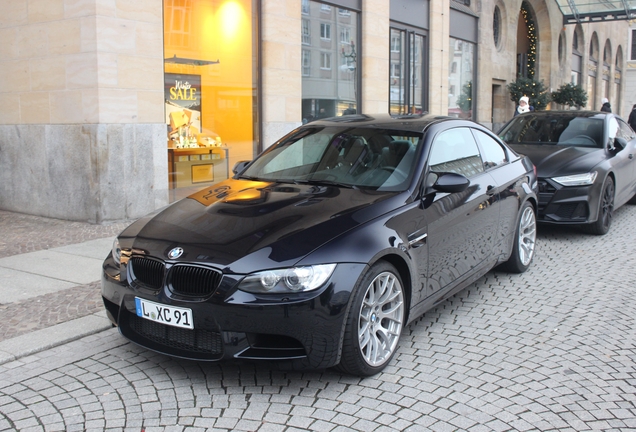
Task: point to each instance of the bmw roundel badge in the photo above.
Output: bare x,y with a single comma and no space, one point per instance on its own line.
175,253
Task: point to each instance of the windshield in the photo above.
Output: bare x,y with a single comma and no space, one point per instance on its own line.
561,130
349,157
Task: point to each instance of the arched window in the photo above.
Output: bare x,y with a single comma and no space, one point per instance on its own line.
607,61
592,72
577,56
618,75
496,26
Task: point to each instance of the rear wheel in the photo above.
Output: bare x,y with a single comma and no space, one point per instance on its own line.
605,210
525,240
375,322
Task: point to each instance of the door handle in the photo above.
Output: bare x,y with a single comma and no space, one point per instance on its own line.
490,190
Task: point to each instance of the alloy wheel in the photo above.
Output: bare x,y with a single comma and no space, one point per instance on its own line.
607,206
527,235
381,319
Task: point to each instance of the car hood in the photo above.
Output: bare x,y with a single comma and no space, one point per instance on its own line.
554,160
244,226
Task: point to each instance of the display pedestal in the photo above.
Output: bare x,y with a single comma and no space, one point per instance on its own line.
197,166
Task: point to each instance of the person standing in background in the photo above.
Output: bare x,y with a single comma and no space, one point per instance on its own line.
524,106
632,118
606,106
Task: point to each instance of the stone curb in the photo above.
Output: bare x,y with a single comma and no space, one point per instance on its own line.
40,340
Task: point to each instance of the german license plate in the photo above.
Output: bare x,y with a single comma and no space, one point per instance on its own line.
164,314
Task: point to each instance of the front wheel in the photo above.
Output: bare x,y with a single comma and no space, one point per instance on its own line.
605,210
525,241
375,322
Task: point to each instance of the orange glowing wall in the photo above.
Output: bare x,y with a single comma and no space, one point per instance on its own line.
211,30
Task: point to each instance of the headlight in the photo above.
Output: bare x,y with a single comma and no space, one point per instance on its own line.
296,279
577,179
116,251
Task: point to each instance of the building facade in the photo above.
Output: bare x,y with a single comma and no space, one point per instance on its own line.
110,109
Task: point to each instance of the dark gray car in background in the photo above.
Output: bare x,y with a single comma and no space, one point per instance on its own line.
585,163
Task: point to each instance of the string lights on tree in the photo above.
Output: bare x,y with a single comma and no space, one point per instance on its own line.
532,38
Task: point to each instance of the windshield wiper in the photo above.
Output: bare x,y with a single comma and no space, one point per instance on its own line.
244,177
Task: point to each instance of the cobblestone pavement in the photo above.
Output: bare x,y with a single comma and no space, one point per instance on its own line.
25,233
551,349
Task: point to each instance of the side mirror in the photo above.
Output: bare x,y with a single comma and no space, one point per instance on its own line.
451,183
240,166
620,143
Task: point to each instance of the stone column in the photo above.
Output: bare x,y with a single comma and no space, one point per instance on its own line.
82,133
375,56
281,62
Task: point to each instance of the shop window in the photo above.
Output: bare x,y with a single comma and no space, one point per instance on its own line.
406,85
461,77
330,82
210,89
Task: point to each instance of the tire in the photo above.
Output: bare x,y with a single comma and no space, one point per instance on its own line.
605,210
375,322
525,241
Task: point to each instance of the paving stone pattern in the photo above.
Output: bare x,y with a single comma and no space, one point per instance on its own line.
25,233
553,349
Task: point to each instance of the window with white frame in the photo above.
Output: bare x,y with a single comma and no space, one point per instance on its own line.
325,60
325,31
344,12
306,62
345,35
395,70
325,8
304,7
306,32
396,42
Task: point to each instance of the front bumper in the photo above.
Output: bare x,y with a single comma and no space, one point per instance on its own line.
306,329
566,205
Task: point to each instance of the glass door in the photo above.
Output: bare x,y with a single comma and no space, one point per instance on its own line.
407,77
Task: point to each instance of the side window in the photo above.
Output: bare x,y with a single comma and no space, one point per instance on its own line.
624,131
455,150
613,128
492,153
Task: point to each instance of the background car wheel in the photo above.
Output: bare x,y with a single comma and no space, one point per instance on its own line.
375,322
605,210
525,241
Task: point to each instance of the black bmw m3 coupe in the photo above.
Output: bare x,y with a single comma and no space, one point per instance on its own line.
319,251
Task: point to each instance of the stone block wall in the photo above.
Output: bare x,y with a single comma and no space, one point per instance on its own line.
81,89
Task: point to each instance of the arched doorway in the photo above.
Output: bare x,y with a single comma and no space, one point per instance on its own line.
526,42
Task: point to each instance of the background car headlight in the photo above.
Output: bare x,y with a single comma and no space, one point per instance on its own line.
577,179
296,279
116,251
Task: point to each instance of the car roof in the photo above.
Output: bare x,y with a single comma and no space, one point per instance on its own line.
569,114
410,122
